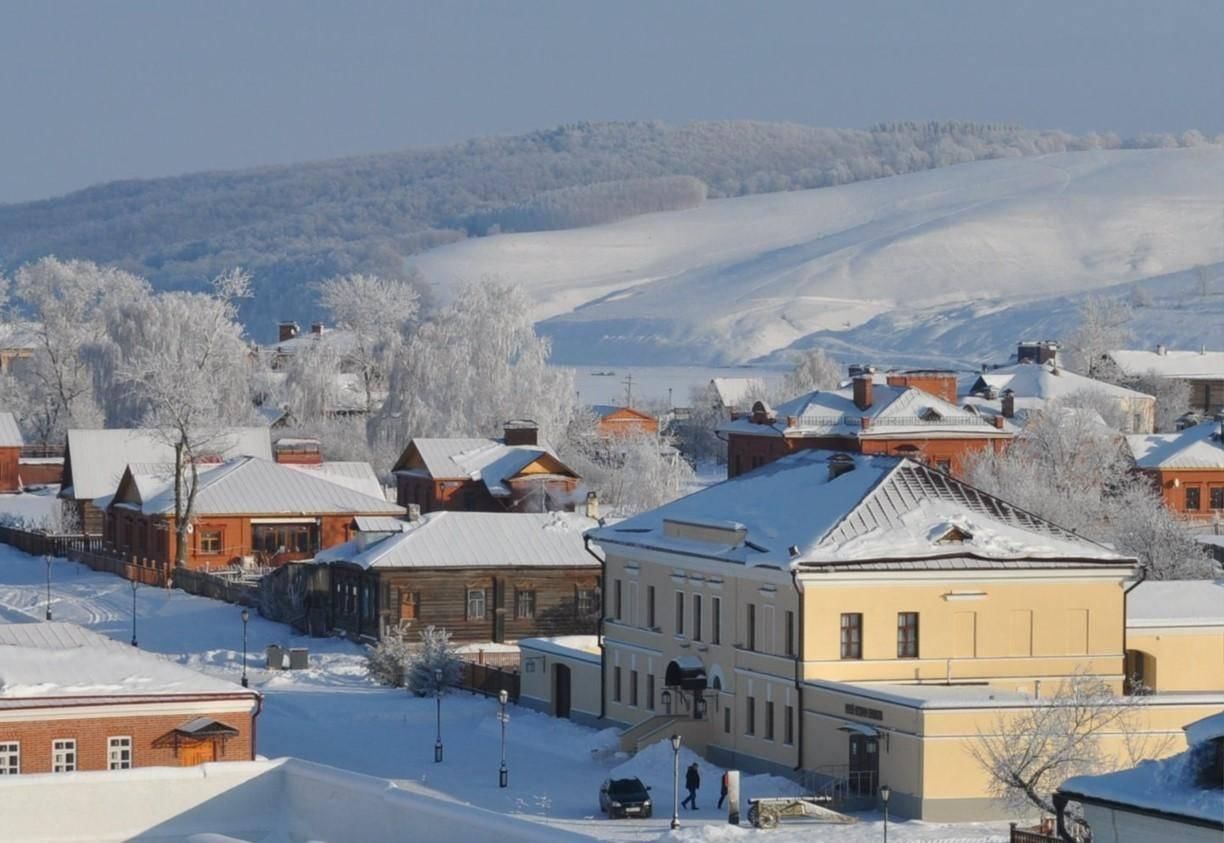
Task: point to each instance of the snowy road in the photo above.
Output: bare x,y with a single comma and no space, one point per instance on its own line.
334,714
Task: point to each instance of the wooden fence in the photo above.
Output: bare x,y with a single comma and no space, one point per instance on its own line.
45,544
488,680
216,587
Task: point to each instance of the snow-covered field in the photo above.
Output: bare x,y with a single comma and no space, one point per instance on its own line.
334,714
737,279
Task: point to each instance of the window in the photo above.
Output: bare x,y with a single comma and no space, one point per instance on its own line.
679,612
285,538
585,603
789,726
617,604
524,603
10,758
1217,497
852,636
63,756
469,500
750,716
1136,422
716,621
633,688
1192,498
790,633
650,691
727,720
769,720
907,635
696,617
739,465
410,605
650,607
616,684
119,754
475,604
210,541
750,627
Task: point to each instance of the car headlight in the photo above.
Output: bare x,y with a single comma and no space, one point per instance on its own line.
617,805
646,804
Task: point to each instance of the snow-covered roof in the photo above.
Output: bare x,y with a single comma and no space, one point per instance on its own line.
477,539
491,461
343,341
45,660
1195,447
1167,786
604,410
799,512
19,336
252,486
1207,729
10,433
1164,603
582,647
95,460
733,392
358,476
1048,381
894,411
1187,365
346,396
379,524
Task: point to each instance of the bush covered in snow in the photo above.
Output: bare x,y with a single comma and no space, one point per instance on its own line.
434,653
387,660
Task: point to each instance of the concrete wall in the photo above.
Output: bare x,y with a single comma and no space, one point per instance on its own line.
537,672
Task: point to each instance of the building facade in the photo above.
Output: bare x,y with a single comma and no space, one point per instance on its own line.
1202,371
1187,467
11,444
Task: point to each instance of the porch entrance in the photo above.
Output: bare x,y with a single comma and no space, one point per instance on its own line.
199,752
561,690
864,767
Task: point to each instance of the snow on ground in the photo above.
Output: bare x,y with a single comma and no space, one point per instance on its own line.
36,507
334,714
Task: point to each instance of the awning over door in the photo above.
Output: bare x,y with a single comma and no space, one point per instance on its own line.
686,672
859,729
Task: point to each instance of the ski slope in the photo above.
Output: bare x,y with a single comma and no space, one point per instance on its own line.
737,279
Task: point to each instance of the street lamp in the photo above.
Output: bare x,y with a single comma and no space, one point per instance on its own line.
47,559
134,585
438,697
246,616
885,792
675,742
666,698
503,775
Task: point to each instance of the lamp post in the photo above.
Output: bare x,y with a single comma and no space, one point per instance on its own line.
246,616
885,792
675,742
666,699
47,559
503,775
438,697
134,585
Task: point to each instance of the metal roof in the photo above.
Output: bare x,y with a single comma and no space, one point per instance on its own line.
358,476
1188,365
10,433
1200,446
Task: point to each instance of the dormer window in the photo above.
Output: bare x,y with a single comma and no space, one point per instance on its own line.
839,464
955,535
930,414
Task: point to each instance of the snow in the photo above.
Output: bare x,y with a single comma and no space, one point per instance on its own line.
736,279
582,647
1167,786
333,714
10,434
1164,603
1189,365
1047,381
1195,447
38,507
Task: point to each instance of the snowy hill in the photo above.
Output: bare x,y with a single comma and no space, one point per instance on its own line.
931,254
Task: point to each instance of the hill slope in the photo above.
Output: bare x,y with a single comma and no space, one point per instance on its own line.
738,279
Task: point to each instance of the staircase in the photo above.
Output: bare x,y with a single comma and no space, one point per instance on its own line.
647,732
846,790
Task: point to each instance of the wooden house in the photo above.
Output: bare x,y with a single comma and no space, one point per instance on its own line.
614,422
483,576
513,474
10,453
248,511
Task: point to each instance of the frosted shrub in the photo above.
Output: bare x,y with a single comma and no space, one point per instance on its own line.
386,660
434,653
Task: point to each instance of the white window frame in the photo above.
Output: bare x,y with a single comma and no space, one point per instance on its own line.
59,753
472,616
118,744
10,758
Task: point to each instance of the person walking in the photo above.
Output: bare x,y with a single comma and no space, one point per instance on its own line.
692,781
722,793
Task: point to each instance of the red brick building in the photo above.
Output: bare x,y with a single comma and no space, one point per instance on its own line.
10,453
247,511
513,474
1187,467
909,415
75,700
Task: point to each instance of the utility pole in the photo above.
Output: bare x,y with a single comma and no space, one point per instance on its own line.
628,389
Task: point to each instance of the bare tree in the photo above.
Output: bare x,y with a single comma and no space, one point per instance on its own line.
814,370
1029,751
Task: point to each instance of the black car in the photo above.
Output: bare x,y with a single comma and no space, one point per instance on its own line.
624,798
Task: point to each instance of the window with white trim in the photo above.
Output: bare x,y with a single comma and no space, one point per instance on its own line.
475,604
63,755
119,753
10,758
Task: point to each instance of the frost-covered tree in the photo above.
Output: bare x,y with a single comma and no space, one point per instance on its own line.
387,661
1172,397
814,370
375,312
472,366
698,437
1029,751
435,653
1102,328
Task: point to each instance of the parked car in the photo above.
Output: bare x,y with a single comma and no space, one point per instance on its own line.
624,798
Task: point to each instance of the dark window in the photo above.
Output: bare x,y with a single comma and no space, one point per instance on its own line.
1192,498
716,621
789,725
585,602
727,720
650,607
633,688
696,617
475,604
285,538
757,462
852,636
616,684
750,716
524,604
739,465
750,627
469,500
1217,497
210,541
616,599
679,612
650,691
769,720
790,633
907,635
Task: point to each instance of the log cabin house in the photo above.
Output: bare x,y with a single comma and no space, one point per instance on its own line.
483,576
516,473
1187,467
613,422
912,415
248,511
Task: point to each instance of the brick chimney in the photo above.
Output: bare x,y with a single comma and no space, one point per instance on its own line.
940,384
998,422
863,385
521,432
286,331
1009,404
592,505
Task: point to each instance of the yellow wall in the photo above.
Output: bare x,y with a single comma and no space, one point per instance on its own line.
536,670
1185,658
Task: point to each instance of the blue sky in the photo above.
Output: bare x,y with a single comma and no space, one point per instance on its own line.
91,92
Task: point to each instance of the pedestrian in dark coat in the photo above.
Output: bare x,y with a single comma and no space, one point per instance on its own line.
692,781
722,793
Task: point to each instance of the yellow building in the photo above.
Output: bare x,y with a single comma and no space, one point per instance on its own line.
856,621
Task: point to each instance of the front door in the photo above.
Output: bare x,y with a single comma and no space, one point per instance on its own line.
864,764
561,690
191,754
